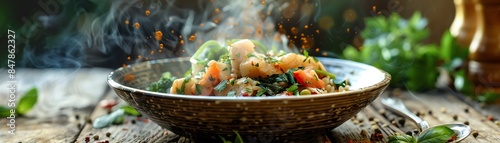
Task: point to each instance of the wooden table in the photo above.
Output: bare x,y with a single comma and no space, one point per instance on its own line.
436,107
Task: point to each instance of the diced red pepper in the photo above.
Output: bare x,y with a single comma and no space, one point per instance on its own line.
308,78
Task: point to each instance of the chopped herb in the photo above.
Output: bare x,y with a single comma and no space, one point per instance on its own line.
231,93
341,83
183,85
221,86
248,90
261,91
198,89
306,54
325,73
293,88
250,55
271,60
168,75
245,80
257,65
232,81
163,84
315,59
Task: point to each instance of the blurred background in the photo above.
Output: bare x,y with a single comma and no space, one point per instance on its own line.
408,38
55,32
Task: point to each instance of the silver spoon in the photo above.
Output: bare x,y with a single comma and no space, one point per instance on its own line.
397,106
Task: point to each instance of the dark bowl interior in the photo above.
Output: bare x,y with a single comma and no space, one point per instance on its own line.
260,119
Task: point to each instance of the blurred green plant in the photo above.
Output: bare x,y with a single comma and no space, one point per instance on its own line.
26,103
396,45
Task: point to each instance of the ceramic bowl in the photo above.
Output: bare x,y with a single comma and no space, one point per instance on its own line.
258,119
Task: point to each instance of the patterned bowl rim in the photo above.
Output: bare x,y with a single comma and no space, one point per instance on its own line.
114,84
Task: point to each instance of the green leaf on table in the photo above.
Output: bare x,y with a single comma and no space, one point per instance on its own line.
238,138
488,97
27,102
129,110
439,134
402,139
4,111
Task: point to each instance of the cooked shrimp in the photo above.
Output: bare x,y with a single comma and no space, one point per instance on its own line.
188,90
238,52
293,60
256,66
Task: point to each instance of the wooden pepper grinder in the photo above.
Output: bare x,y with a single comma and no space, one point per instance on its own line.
464,24
484,51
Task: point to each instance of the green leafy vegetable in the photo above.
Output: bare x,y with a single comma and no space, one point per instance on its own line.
402,139
261,91
183,85
129,110
198,89
221,86
163,84
325,73
231,93
293,88
27,101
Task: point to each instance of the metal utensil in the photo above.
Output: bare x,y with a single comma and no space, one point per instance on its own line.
397,106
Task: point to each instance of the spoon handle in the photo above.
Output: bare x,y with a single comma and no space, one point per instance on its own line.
397,106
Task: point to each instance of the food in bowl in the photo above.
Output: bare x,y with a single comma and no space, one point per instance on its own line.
241,70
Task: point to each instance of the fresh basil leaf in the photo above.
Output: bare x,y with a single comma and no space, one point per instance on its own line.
439,134
238,138
130,110
106,120
4,111
27,101
402,139
221,86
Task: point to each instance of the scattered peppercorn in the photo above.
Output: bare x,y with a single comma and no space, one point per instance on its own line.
490,118
401,121
466,110
497,123
132,121
455,117
108,134
475,134
96,137
87,139
415,131
417,114
88,120
466,122
370,118
77,116
363,133
409,133
430,112
376,137
79,125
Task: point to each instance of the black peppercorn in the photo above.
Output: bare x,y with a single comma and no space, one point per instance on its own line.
401,121
455,117
108,134
466,122
409,133
96,137
133,121
466,110
475,134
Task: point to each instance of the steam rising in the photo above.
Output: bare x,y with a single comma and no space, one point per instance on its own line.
126,31
93,32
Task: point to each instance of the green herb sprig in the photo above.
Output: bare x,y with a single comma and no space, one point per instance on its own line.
440,134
